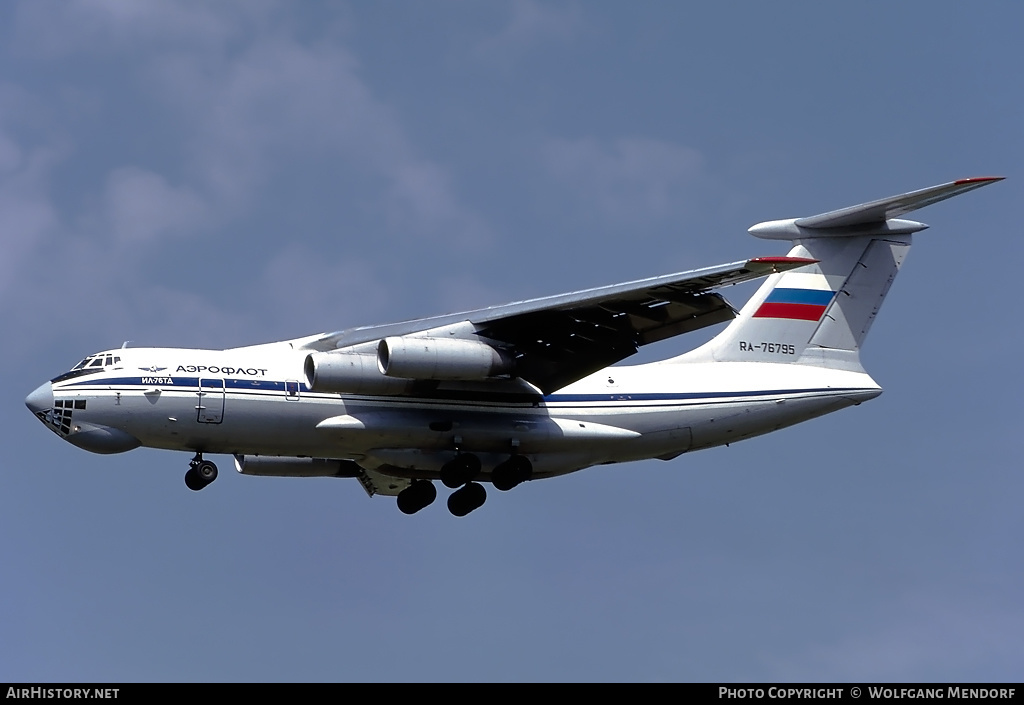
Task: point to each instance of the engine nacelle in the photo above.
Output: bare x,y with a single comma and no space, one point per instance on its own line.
440,359
272,466
350,373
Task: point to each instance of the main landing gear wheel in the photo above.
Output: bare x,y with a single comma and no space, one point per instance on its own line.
462,502
460,470
416,496
200,473
510,473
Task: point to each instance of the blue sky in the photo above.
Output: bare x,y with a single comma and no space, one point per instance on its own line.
215,175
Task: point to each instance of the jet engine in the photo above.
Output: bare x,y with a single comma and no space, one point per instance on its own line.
350,373
441,359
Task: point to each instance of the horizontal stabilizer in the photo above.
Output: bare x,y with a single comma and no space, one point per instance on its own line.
880,217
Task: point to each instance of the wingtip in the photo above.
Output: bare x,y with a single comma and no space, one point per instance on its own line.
978,180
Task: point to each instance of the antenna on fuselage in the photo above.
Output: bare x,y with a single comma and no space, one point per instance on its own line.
125,344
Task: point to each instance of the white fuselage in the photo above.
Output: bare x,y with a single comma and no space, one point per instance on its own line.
255,401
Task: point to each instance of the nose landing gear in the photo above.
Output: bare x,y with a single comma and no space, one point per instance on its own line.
200,473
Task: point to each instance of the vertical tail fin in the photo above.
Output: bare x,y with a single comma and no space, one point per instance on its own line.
820,314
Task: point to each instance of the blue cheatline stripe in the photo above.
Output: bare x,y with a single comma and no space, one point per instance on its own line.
185,382
265,385
813,297
681,396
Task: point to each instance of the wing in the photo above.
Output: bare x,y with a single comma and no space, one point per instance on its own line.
565,338
556,340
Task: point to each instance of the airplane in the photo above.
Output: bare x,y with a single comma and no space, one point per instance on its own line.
519,392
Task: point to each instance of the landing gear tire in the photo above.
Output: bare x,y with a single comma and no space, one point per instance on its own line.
460,470
462,502
193,482
416,496
510,473
200,473
206,472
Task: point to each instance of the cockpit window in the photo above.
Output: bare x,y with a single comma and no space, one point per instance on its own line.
76,373
91,364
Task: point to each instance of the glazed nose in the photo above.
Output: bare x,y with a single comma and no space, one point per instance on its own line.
41,399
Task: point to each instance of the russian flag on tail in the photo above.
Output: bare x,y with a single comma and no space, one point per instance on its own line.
795,304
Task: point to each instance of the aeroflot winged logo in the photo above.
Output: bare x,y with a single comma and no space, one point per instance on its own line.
153,369
795,304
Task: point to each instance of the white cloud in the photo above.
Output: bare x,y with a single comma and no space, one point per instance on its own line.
142,206
10,155
305,294
252,97
272,101
629,178
28,218
24,222
530,23
462,292
243,100
58,28
278,100
422,202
